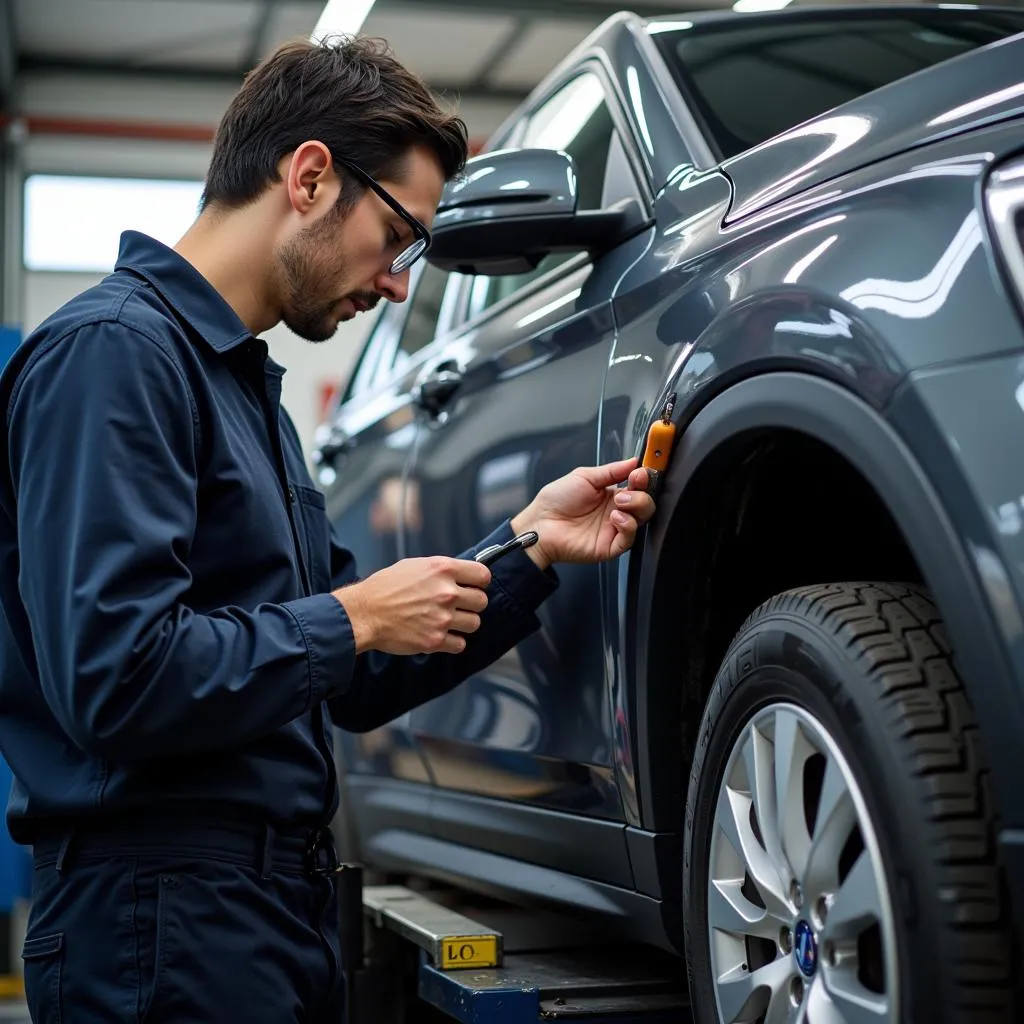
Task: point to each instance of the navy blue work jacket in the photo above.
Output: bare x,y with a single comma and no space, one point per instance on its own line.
168,633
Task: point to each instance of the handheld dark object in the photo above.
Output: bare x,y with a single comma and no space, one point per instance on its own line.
489,555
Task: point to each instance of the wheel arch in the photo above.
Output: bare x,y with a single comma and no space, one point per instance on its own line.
805,406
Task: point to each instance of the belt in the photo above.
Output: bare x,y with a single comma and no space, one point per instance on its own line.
304,851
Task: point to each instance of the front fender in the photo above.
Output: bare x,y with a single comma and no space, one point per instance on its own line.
936,533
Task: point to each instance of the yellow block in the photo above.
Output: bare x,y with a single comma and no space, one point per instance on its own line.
459,951
12,986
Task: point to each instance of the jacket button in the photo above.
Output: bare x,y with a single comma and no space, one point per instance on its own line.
291,494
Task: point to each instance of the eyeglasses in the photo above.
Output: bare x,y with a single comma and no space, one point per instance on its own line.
408,256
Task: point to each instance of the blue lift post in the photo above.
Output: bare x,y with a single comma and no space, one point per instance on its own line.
15,861
15,881
460,960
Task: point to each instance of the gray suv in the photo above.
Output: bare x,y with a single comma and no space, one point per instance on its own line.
784,737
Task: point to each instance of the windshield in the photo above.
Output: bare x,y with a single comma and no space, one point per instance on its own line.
747,81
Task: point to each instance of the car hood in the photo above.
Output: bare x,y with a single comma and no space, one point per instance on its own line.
968,91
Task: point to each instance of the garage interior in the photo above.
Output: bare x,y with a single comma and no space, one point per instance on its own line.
134,89
107,113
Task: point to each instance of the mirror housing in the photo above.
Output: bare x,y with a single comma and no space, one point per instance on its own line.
511,208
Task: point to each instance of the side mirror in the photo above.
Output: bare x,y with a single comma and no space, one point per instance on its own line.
510,209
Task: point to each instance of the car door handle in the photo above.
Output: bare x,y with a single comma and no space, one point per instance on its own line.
337,443
433,393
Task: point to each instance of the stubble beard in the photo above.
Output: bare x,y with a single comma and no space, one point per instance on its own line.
306,314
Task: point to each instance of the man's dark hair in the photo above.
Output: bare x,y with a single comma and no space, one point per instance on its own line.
352,95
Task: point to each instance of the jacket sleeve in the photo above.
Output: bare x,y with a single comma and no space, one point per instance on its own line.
103,434
384,687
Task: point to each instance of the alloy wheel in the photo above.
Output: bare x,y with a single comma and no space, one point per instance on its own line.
800,921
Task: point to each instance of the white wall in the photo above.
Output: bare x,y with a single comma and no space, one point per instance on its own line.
44,293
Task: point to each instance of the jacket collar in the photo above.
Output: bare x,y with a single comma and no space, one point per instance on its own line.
183,288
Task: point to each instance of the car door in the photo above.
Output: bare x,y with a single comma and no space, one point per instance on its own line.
525,373
360,459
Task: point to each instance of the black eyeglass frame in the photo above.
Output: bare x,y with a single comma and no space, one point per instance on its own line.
409,255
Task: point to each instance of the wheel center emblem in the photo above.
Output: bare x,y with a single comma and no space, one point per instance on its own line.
805,948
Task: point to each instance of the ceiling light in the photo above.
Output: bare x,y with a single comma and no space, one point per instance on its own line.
760,5
341,17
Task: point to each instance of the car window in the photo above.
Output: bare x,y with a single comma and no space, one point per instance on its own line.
403,329
578,121
379,342
420,326
750,82
428,311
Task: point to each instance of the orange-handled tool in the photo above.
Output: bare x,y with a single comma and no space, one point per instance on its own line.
660,439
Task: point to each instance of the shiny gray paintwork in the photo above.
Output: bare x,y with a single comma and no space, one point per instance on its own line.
859,313
873,270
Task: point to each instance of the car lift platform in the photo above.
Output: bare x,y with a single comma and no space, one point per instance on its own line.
437,955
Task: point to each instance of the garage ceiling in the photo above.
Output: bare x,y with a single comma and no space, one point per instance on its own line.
483,48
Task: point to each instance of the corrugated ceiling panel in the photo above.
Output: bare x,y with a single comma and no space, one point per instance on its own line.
441,47
144,30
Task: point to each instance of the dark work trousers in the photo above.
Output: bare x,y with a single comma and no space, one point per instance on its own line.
181,925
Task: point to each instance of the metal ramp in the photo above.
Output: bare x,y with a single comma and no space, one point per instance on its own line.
434,956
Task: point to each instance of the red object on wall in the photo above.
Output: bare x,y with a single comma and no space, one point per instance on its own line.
327,396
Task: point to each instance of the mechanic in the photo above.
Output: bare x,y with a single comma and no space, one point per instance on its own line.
180,627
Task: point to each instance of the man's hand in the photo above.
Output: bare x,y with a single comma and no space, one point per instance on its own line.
585,517
417,606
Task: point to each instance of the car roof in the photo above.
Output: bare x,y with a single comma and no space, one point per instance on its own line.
722,16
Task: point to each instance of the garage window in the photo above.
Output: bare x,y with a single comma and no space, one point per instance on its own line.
75,223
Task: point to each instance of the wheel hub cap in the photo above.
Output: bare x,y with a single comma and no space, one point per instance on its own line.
805,949
800,922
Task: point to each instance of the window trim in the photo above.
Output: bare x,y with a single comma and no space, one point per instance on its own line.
625,127
641,180
593,64
702,150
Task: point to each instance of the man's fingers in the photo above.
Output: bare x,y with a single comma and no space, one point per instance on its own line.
453,644
470,574
639,479
610,473
625,528
638,504
471,599
464,622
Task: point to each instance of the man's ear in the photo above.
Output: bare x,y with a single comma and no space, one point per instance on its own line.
310,181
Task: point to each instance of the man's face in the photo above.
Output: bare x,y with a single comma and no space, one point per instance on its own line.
338,265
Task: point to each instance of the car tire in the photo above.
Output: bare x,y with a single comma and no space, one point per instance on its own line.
859,872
